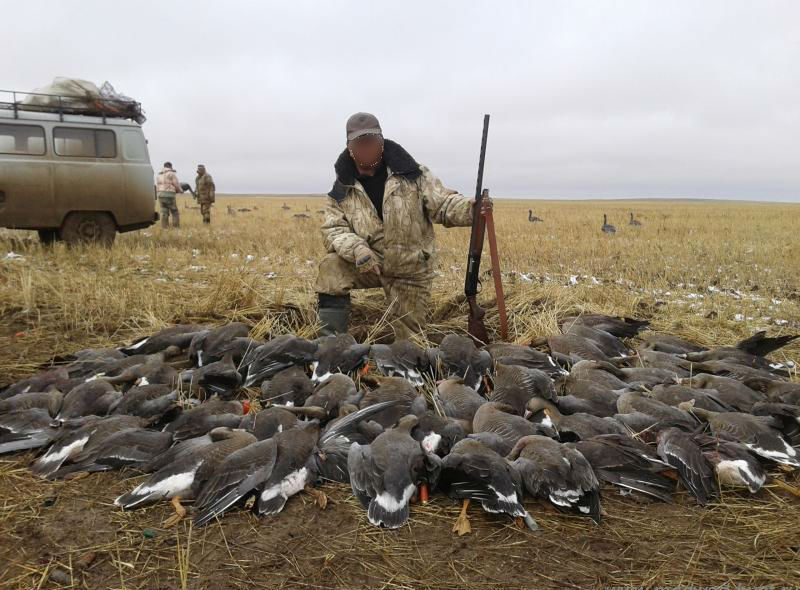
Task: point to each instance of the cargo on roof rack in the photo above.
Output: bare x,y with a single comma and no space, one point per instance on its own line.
88,101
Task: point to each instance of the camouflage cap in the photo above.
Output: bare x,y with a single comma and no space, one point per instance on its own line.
362,124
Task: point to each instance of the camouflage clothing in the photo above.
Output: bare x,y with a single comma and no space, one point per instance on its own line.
205,192
166,199
167,181
402,244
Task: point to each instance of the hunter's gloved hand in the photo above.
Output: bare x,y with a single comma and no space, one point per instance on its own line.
366,260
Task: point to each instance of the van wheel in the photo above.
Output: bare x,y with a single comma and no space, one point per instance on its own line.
96,228
48,236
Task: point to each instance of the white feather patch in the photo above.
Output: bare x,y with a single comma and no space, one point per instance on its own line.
431,442
391,504
64,452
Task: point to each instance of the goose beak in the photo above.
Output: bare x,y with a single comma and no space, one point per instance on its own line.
365,369
245,407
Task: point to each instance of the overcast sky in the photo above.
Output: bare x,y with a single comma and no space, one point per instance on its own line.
588,99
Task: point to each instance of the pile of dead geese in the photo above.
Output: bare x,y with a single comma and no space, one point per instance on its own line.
397,422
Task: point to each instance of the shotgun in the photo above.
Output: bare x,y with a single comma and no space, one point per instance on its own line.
475,325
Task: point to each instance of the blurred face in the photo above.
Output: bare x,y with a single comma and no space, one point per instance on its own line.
366,151
201,171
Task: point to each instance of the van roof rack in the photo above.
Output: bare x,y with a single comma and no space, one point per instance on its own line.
15,100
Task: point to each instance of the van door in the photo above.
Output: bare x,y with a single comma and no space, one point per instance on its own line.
88,170
26,183
139,190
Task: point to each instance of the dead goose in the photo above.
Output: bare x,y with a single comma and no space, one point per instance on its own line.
601,402
338,354
148,401
633,402
515,385
153,370
694,471
458,356
330,395
32,428
648,376
39,382
210,345
787,414
557,473
183,478
180,335
268,422
524,356
570,348
533,218
610,345
220,378
659,360
47,400
760,434
501,420
607,228
384,474
760,344
473,471
573,427
672,395
742,373
458,401
739,357
274,469
437,434
402,358
735,465
290,387
669,344
730,391
210,414
603,374
96,398
628,464
276,355
621,327
397,389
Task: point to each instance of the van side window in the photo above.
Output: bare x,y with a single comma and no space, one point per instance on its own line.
22,139
133,147
85,143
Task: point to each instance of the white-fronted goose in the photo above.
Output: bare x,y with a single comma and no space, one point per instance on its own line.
268,422
384,474
730,391
734,370
515,385
760,434
621,327
603,374
473,471
209,346
500,419
338,354
649,377
337,390
524,356
276,355
634,222
220,378
760,344
289,387
180,335
148,401
574,427
458,356
627,463
787,414
211,414
96,398
182,479
661,360
394,389
669,344
609,344
570,348
736,356
32,428
153,370
694,471
39,382
630,402
672,395
47,400
458,401
437,434
735,465
533,218
557,473
402,358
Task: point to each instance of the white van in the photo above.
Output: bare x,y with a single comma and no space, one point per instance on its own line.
73,176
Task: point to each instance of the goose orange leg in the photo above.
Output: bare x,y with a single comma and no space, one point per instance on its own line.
787,487
462,526
180,513
320,498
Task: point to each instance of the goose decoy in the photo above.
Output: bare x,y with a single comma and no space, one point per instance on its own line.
694,471
621,327
397,389
734,464
570,349
573,427
402,358
628,464
760,344
333,393
211,414
275,469
148,401
524,356
73,441
384,474
459,357
557,473
183,478
610,345
458,401
268,422
338,354
47,400
632,402
634,222
209,346
500,419
40,382
473,471
276,355
667,343
672,395
285,207
96,398
730,391
533,218
290,387
180,336
607,228
132,447
220,378
760,434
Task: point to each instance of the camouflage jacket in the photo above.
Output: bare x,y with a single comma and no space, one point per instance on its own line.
167,182
414,199
204,188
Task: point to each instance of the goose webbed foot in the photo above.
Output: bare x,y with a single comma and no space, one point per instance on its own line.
180,513
462,526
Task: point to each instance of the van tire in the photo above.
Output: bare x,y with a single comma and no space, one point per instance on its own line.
81,228
48,236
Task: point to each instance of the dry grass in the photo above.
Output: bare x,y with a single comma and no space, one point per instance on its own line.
710,272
